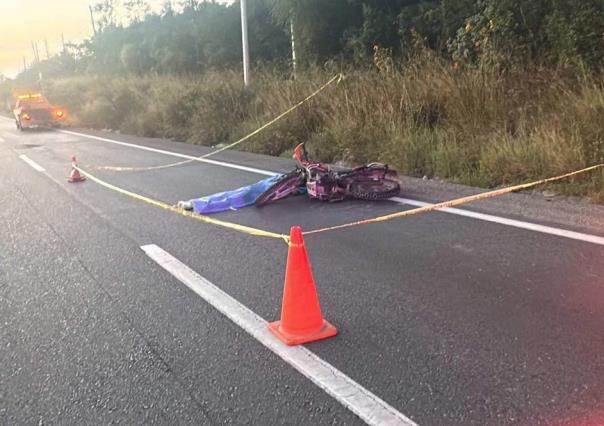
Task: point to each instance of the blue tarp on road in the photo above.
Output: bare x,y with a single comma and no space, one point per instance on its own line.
232,200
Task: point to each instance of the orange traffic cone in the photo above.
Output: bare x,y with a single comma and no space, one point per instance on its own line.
75,175
301,318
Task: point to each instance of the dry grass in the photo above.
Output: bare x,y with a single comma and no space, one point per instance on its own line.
475,126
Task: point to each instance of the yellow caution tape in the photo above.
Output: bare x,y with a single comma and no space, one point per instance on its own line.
234,226
452,203
337,78
262,233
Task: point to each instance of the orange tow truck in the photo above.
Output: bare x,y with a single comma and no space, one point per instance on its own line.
34,110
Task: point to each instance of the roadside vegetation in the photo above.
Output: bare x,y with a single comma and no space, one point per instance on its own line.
484,92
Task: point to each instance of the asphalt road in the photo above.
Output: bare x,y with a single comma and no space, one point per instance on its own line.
449,319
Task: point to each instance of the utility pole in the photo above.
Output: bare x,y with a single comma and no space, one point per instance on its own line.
34,49
63,41
24,64
244,40
46,49
291,30
92,19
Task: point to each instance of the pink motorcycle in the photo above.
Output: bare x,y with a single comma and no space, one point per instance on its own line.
374,181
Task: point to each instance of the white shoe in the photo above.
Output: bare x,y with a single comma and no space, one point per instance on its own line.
185,205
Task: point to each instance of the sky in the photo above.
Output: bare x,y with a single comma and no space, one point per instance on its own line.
24,21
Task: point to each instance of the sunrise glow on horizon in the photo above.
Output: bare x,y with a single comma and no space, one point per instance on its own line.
38,20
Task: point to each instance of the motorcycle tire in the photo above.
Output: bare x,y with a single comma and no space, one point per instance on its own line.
287,185
375,190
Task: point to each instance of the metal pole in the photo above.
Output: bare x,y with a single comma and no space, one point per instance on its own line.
92,19
246,53
33,49
291,29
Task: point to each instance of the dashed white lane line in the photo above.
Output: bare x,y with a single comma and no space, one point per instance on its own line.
589,238
32,163
346,391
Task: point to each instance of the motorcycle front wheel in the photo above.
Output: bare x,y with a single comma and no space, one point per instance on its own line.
287,185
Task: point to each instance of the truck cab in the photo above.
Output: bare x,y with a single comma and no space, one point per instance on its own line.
34,110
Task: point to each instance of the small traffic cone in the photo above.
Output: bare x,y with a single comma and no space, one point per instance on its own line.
301,318
75,175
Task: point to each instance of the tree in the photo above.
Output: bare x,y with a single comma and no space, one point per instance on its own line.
136,10
536,31
105,15
199,35
320,25
134,58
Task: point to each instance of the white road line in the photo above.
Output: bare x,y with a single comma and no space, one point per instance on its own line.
595,239
32,163
173,154
511,222
349,393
